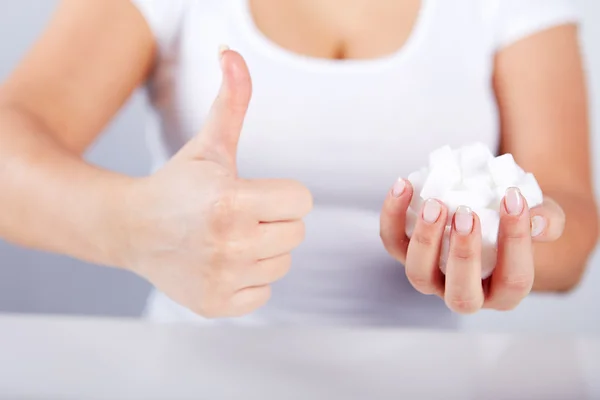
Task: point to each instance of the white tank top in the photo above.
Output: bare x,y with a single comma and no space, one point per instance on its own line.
346,129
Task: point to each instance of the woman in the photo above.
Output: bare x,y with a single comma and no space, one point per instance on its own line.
340,97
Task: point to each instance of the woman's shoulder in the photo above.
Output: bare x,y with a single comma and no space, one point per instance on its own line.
512,20
166,16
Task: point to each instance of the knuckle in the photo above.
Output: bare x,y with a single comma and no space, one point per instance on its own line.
462,253
463,305
516,234
517,283
223,280
226,252
420,281
285,264
307,202
423,239
280,268
264,297
209,307
260,298
302,196
300,233
225,209
235,249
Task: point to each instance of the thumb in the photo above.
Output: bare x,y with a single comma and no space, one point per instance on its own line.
220,134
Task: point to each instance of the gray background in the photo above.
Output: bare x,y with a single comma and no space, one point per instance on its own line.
34,282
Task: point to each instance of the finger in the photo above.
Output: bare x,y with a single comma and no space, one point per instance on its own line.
277,238
248,300
266,272
274,200
513,277
392,223
547,221
464,290
220,134
423,257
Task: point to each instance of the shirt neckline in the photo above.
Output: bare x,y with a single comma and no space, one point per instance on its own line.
269,48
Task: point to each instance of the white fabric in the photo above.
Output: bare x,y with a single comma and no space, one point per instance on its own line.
347,129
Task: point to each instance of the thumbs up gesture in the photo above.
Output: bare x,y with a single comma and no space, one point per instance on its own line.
209,240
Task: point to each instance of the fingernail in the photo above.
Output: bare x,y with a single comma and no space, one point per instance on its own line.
399,188
431,211
538,224
513,201
222,49
463,220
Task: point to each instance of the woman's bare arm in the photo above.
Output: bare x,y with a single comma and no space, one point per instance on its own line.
541,92
87,63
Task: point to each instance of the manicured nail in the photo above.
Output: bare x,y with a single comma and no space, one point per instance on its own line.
222,49
538,224
399,188
431,211
513,201
463,220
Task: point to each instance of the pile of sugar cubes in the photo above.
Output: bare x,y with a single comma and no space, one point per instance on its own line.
471,176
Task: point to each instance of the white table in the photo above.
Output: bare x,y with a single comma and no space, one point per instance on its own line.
66,358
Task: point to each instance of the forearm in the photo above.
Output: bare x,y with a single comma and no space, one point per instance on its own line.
50,199
561,264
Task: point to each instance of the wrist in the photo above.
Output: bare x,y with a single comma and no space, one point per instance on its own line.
113,221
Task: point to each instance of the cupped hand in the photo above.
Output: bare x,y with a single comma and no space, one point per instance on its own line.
461,286
211,241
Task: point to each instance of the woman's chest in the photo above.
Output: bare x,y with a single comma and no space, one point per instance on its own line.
347,129
336,29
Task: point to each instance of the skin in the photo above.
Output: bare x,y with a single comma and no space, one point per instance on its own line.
540,86
213,242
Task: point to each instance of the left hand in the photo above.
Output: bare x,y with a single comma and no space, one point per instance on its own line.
462,287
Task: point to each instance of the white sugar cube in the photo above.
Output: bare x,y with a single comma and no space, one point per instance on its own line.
490,222
500,193
472,177
531,190
417,180
411,222
470,198
474,158
504,171
480,181
439,181
443,158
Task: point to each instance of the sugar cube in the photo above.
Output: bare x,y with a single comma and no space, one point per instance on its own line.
480,181
474,158
530,189
470,198
504,170
490,222
417,180
443,158
439,181
472,177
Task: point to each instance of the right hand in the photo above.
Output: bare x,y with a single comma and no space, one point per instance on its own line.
209,240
